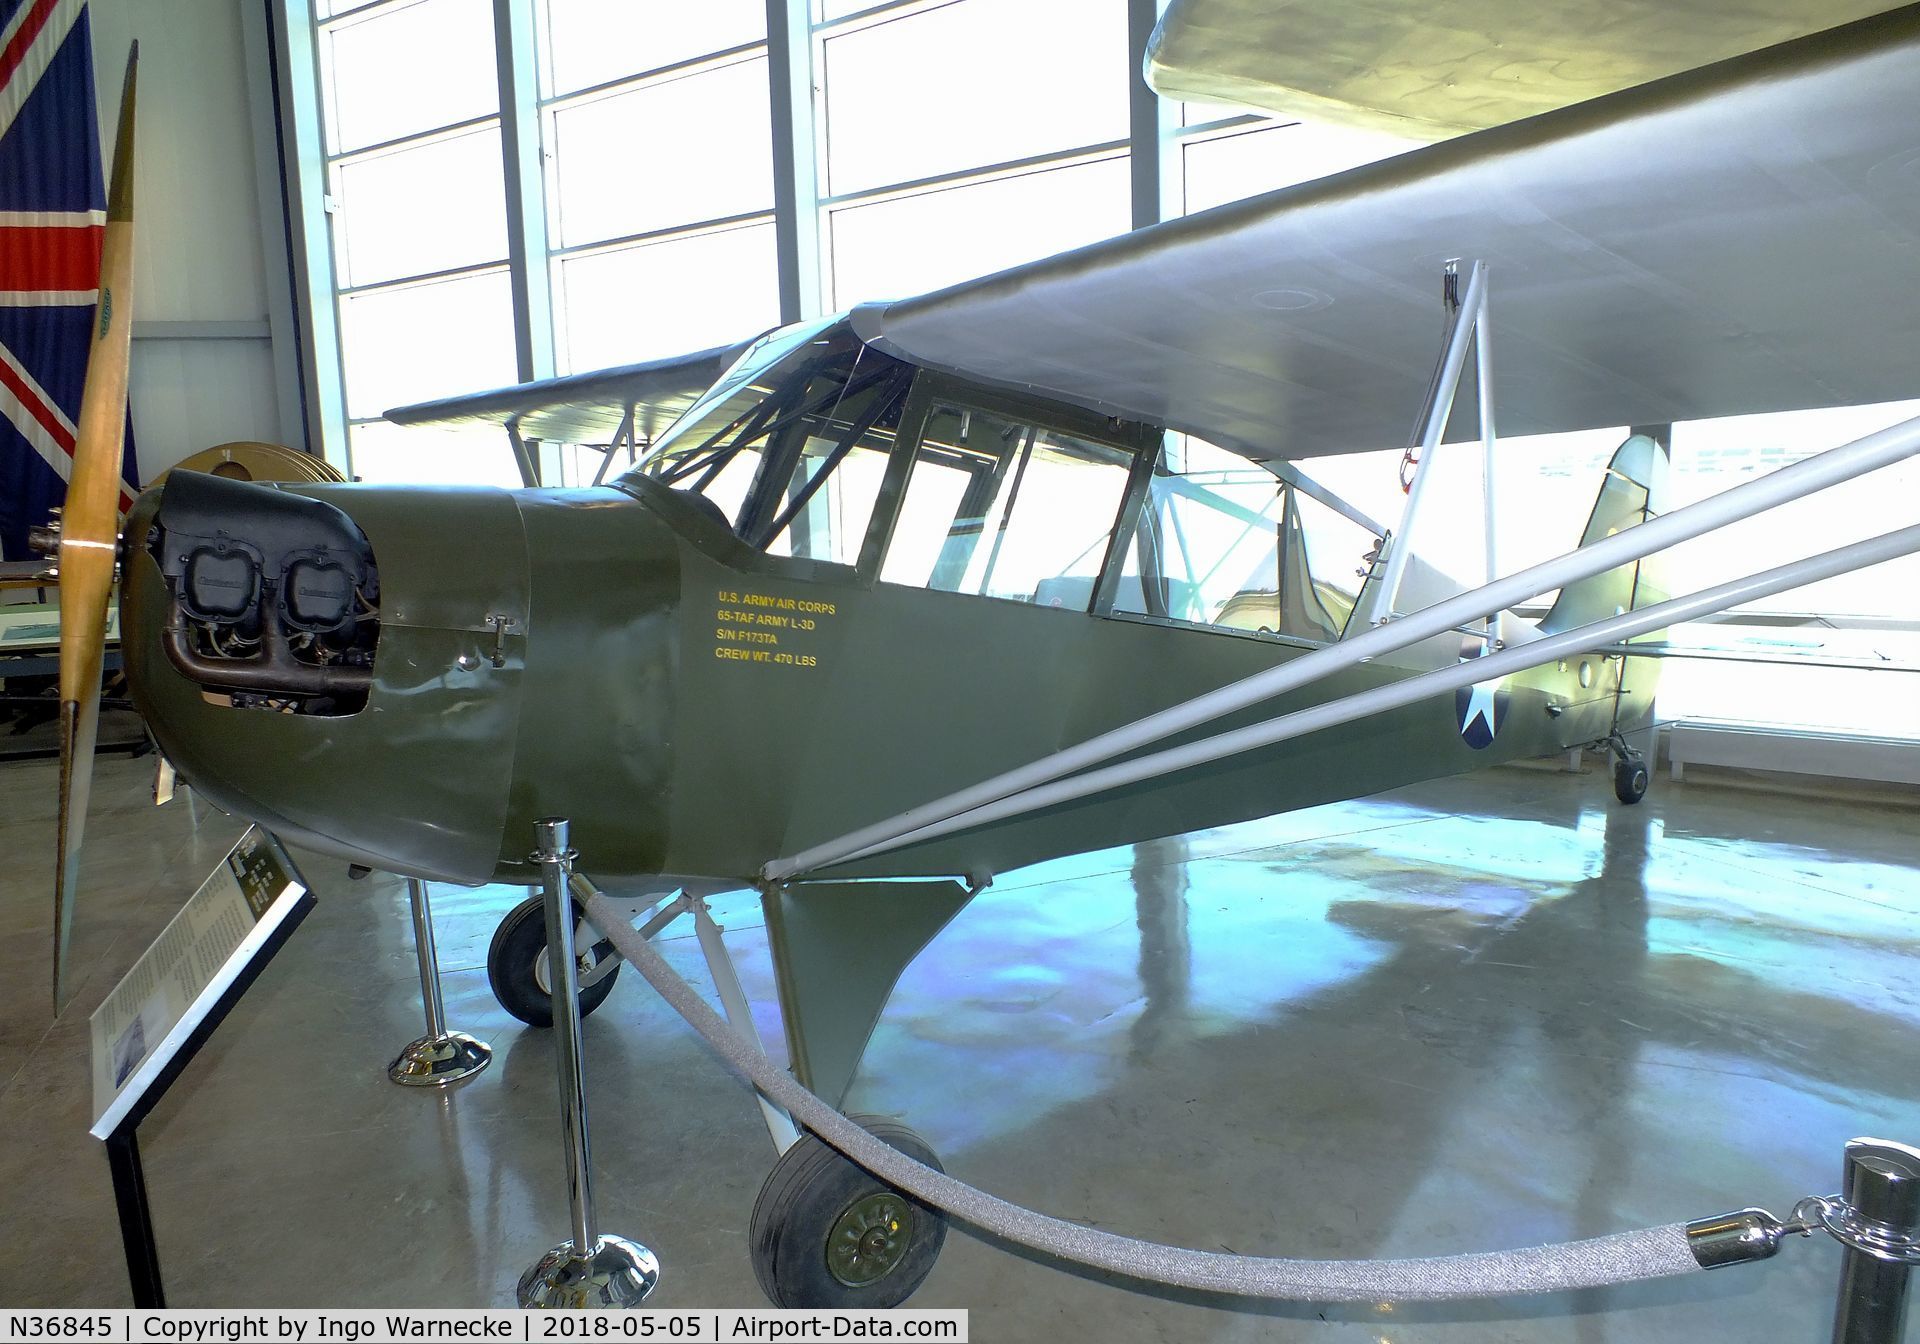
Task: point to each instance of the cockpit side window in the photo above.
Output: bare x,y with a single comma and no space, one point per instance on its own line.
1005,508
1223,542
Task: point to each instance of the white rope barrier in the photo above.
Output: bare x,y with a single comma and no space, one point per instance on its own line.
1623,1257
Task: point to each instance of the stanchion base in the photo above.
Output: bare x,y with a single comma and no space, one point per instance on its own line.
435,1061
619,1274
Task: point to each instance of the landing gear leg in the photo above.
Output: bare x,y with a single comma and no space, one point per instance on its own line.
1630,774
780,1126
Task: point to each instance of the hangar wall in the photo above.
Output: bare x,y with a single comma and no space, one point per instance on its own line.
204,357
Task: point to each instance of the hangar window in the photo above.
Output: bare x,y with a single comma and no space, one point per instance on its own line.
592,42
912,196
1008,509
658,177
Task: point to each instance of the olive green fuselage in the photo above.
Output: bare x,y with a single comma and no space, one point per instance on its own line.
698,708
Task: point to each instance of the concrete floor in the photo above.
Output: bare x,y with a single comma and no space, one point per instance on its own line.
1481,1013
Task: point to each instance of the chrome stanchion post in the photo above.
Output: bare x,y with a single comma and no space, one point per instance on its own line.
1877,1218
441,1056
593,1269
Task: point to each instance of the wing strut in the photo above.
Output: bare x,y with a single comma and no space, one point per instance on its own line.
1466,320
1394,695
623,437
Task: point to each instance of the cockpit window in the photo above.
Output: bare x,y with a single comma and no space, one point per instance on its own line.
1005,508
1223,542
793,451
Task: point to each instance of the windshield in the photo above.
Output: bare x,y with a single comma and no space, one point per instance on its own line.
791,445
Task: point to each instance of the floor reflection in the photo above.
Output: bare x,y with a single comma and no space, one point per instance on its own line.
1438,1033
1160,882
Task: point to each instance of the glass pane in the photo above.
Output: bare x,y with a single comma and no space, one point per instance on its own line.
417,342
592,41
668,298
1871,701
432,455
1208,551
1224,543
1018,512
828,501
428,208
691,149
825,11
409,69
957,471
1809,622
1251,162
972,83
793,452
1711,456
908,246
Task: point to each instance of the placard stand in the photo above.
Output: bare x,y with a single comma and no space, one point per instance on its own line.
180,990
136,1221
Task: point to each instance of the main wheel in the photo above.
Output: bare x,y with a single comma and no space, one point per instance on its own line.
827,1234
1630,779
517,971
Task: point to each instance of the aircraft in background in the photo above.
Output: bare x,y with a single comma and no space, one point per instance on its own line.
911,596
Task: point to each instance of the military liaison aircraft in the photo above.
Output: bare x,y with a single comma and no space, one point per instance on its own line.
896,600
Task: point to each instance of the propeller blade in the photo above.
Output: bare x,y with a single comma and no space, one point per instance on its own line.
90,529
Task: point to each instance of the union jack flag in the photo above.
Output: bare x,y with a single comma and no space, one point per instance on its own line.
52,220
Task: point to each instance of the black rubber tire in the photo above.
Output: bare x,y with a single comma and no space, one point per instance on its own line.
517,943
1630,779
805,1195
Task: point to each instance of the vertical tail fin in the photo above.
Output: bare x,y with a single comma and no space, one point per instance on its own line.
1635,489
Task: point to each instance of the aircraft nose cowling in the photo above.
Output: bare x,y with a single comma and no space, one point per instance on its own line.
342,664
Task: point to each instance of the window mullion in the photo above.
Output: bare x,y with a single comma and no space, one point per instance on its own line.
1146,118
527,244
304,162
796,188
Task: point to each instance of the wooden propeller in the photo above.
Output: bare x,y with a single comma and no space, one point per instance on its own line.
90,529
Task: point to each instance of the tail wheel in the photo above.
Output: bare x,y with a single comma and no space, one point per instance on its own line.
1630,779
828,1234
517,971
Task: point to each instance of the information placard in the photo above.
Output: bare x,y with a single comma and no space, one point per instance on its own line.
154,1011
